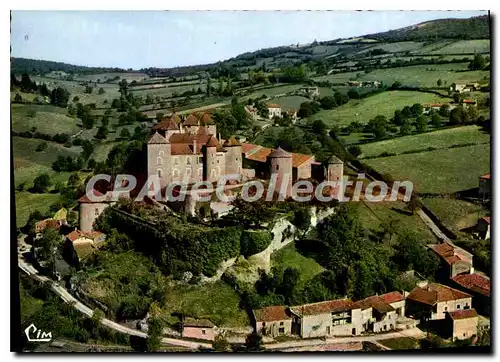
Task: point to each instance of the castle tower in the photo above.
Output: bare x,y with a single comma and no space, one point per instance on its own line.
209,151
159,158
281,164
234,159
335,169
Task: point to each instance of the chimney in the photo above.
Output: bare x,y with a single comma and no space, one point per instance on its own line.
194,145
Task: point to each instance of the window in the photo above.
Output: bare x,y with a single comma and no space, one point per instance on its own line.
175,172
458,306
328,330
200,159
277,167
96,212
159,160
200,170
161,153
281,323
445,309
263,324
160,172
203,332
281,330
188,171
385,327
188,161
176,160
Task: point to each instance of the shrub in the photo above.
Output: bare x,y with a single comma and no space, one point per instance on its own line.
253,242
41,147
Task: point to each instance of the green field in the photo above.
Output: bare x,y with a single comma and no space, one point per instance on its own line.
373,215
465,46
47,119
416,75
289,257
385,104
27,202
402,343
441,171
217,302
436,139
288,102
455,214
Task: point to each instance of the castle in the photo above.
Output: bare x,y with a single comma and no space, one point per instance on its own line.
188,150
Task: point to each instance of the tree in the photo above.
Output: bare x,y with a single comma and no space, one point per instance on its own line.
406,112
421,124
439,82
456,116
398,118
302,219
88,90
101,91
355,150
472,112
478,63
18,98
102,133
76,99
436,120
41,183
155,333
353,94
411,253
59,97
74,180
125,133
91,163
444,110
405,128
253,342
327,102
41,147
417,110
49,246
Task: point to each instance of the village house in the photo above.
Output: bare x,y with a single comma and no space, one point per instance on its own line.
252,112
396,300
272,321
483,227
198,329
464,87
79,244
291,114
274,110
478,286
40,226
433,301
372,83
462,323
341,317
309,91
90,209
485,186
467,103
377,315
454,260
354,83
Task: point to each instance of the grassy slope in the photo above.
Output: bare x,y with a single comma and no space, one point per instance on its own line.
437,139
27,202
380,104
289,101
403,343
455,214
289,257
440,171
48,119
217,302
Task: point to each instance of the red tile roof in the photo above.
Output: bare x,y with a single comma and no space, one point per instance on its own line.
329,306
48,223
471,101
486,177
166,125
76,234
279,153
269,314
434,293
85,200
448,253
230,142
260,154
392,297
157,138
273,105
376,303
474,282
487,219
192,322
206,119
212,142
191,120
463,314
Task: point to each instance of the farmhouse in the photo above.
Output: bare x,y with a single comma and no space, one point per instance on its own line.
272,321
340,317
291,114
464,87
462,323
252,112
198,328
354,83
483,227
309,91
433,301
377,315
485,186
478,286
454,260
274,110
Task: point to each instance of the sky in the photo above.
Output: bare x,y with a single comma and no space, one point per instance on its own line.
163,39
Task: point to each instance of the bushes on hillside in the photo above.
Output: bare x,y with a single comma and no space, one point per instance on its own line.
253,242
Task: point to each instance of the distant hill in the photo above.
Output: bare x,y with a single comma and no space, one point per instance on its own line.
34,66
472,28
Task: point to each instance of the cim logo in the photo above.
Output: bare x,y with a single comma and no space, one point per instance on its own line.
37,335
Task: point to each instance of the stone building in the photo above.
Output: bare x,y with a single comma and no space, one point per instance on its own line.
198,328
433,301
483,227
90,209
485,186
340,317
272,321
274,110
376,314
463,323
454,260
478,286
